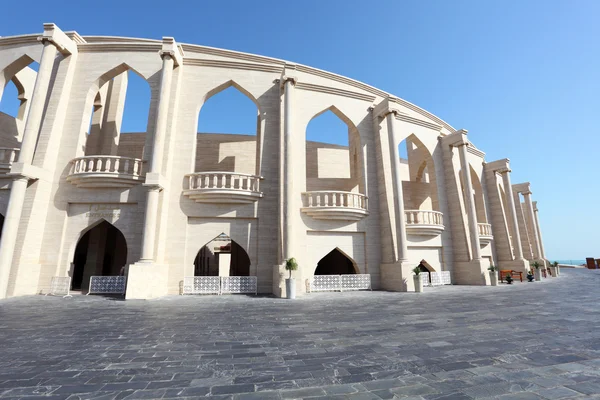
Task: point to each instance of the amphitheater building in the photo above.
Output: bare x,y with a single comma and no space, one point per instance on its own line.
79,198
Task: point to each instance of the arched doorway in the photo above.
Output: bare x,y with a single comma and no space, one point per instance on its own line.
426,269
222,257
101,251
336,263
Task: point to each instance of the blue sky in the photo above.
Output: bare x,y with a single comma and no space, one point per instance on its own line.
522,77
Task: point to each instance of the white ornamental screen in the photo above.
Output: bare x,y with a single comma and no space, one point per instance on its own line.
445,277
107,285
326,283
239,284
60,286
356,282
436,279
201,285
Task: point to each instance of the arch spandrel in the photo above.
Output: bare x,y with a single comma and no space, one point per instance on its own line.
15,59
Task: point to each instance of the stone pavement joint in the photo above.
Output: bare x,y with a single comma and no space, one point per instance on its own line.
523,341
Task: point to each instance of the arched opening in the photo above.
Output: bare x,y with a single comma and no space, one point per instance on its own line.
16,87
333,153
419,183
10,103
426,268
228,128
119,117
336,263
101,251
478,197
222,257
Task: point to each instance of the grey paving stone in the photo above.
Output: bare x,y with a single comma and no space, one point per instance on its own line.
557,393
330,345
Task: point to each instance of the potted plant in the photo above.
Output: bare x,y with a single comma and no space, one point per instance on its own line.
537,270
509,279
493,275
554,269
290,284
417,279
530,276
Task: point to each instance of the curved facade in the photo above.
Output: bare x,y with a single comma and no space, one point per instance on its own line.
82,198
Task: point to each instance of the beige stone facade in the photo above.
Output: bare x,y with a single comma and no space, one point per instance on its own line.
81,198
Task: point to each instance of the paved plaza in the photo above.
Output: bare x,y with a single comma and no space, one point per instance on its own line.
523,341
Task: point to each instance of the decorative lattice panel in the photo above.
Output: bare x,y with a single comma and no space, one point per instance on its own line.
60,286
445,277
436,279
238,284
326,283
356,282
107,284
425,279
201,285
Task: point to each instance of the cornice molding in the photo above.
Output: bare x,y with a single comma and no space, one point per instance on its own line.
475,151
58,38
19,40
232,64
170,48
416,121
335,91
524,188
499,166
101,47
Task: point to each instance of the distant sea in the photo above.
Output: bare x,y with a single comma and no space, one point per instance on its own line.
570,262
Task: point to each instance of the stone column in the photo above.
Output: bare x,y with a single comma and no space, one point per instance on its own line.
19,184
469,199
399,197
288,187
516,236
154,188
538,230
536,240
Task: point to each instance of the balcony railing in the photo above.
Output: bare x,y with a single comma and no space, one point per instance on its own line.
223,187
485,234
8,155
106,171
424,222
336,205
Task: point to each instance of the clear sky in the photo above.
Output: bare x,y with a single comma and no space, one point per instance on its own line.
522,76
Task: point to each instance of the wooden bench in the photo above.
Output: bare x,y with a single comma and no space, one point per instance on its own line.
514,274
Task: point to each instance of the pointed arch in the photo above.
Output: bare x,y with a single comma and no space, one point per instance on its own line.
14,67
228,144
336,262
334,164
222,256
100,250
419,175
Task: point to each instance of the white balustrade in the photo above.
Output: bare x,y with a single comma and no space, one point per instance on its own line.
223,180
424,217
8,156
339,283
484,229
335,199
107,165
223,187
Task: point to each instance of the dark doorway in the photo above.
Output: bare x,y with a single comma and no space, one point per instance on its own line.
335,263
222,253
101,251
1,224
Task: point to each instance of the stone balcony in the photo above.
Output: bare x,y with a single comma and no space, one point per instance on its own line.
335,205
106,172
223,187
8,156
424,222
485,234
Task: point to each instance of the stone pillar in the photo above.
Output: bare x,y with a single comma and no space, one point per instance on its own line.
536,241
470,202
288,186
148,241
516,236
398,194
539,231
146,279
30,137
